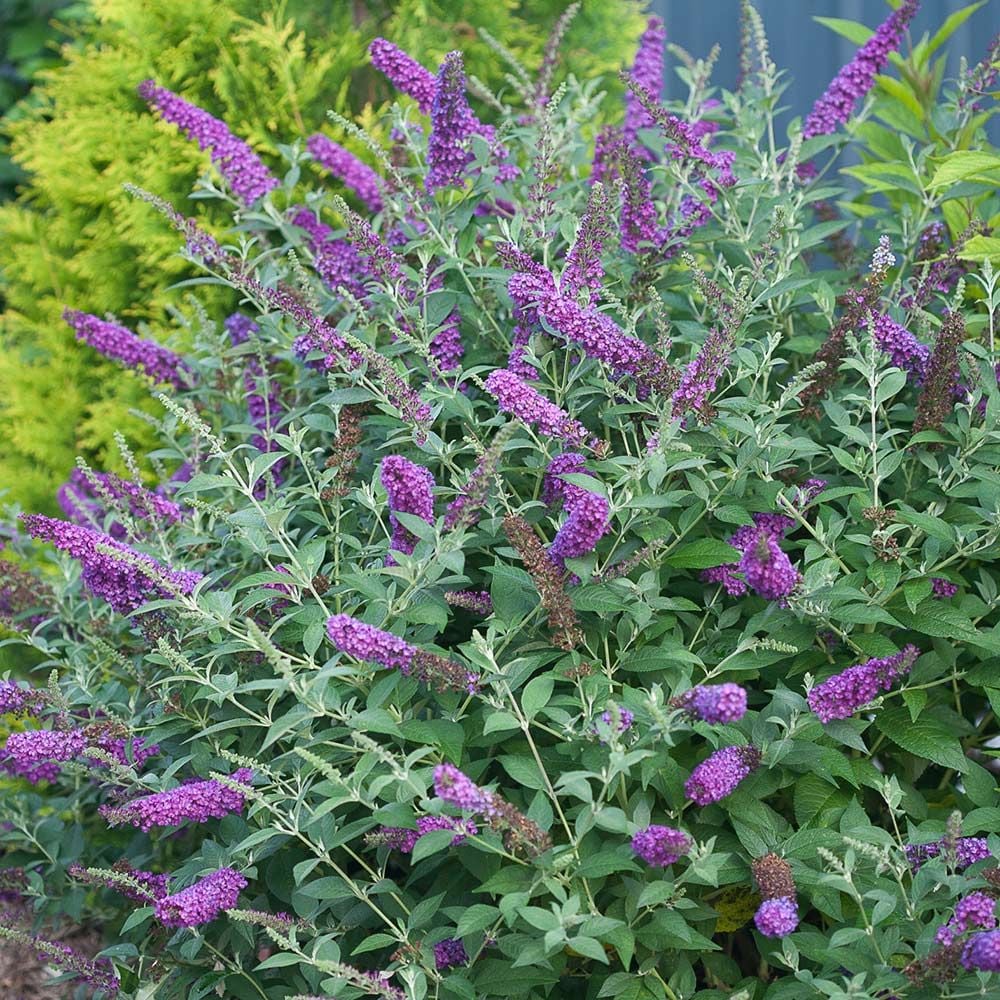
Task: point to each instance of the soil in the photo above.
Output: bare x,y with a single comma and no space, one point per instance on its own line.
23,977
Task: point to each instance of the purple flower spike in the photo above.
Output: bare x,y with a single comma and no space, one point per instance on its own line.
716,703
975,911
701,376
777,917
118,581
519,399
241,167
834,108
968,850
346,167
715,778
660,846
449,952
588,521
33,746
452,124
195,802
767,569
904,350
943,589
409,488
647,71
460,791
841,695
120,344
368,643
982,952
201,902
404,73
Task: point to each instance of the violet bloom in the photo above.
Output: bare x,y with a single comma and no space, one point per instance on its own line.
33,746
717,776
967,851
404,73
777,917
767,569
660,846
855,79
841,695
84,496
975,911
452,124
201,902
115,578
370,644
409,488
239,165
904,350
701,376
120,344
587,523
460,791
982,952
714,703
520,400
403,840
195,802
15,699
604,341
943,589
553,485
647,71
625,719
448,953
30,772
584,268
346,167
337,261
150,885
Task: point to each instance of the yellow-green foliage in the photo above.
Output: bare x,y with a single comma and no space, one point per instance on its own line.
270,70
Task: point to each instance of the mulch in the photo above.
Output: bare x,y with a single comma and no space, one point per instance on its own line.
23,977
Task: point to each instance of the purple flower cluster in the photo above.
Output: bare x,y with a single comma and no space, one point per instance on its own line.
777,917
762,565
588,521
242,169
118,581
410,491
520,400
346,167
371,644
584,268
404,840
83,496
452,125
647,71
841,695
714,703
767,569
943,589
530,283
404,73
904,350
982,952
660,846
120,344
201,902
33,746
460,791
603,340
553,485
449,953
717,776
975,911
700,377
968,850
856,78
195,802
150,885
337,261
625,719
16,699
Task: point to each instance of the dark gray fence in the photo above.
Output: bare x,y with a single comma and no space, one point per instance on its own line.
810,52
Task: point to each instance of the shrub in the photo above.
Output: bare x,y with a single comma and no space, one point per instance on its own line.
271,70
565,582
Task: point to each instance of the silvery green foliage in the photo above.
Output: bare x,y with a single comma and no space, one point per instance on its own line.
435,683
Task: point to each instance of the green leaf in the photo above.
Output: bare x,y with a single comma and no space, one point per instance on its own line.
962,165
951,24
937,618
606,863
981,248
536,694
703,554
523,771
851,30
926,738
431,843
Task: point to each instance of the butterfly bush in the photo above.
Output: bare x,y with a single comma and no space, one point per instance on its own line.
566,564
